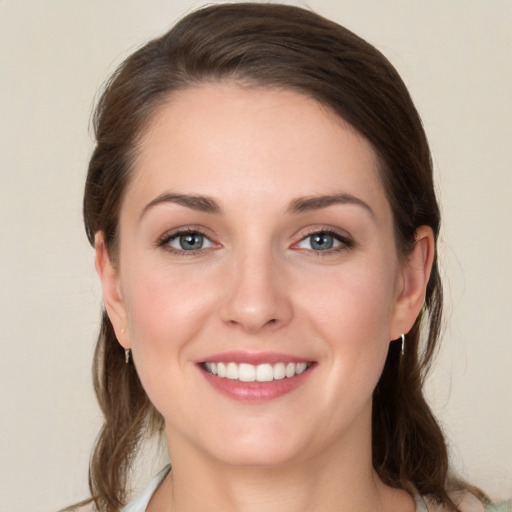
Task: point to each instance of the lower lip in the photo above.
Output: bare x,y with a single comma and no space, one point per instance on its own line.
256,391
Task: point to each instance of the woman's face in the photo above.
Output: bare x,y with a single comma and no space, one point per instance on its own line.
258,282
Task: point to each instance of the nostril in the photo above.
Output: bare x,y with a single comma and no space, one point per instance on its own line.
252,308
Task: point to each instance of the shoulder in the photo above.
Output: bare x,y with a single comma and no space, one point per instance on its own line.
468,502
81,507
502,506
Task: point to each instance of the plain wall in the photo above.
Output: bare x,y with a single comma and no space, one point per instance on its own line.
455,56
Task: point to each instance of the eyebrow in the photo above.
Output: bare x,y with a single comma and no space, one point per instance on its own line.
300,205
306,204
199,203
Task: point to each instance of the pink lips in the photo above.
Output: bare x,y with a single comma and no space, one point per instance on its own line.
254,358
255,391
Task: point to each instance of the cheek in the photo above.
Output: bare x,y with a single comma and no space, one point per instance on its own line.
352,301
352,312
166,309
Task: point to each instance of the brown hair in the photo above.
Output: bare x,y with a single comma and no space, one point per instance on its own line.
293,48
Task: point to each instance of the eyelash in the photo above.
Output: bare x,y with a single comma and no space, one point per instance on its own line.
345,242
165,240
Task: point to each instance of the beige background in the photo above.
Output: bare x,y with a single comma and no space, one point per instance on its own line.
456,58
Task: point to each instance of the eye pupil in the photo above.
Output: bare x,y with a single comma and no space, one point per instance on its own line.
191,241
322,241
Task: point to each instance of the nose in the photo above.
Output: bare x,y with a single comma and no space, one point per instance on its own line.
256,296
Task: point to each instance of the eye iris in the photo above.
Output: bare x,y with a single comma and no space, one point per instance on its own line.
321,241
191,241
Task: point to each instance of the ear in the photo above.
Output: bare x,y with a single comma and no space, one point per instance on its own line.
110,283
415,274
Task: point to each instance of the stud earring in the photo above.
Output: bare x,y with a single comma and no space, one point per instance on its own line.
403,344
127,355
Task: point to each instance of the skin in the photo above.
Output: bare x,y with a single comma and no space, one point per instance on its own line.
257,285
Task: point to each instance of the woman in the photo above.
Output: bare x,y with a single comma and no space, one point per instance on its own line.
261,204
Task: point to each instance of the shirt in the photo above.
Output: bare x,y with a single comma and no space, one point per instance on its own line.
140,503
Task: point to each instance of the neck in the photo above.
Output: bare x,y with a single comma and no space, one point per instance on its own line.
341,479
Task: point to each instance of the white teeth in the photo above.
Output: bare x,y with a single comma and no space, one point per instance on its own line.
232,371
245,372
290,370
221,369
301,367
279,371
265,373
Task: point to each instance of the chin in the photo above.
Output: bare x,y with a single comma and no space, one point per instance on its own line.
258,457
260,446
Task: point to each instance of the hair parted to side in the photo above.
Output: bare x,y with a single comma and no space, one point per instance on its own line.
272,45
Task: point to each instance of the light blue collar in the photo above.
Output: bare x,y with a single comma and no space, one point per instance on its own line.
140,503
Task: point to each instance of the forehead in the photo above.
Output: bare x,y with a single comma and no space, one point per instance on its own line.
229,141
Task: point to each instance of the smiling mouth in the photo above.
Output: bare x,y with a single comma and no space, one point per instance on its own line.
245,372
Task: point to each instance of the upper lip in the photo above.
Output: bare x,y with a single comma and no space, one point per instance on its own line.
254,358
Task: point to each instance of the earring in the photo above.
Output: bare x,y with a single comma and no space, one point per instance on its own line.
127,354
403,344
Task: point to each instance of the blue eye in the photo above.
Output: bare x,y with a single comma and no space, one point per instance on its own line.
186,241
323,241
190,241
